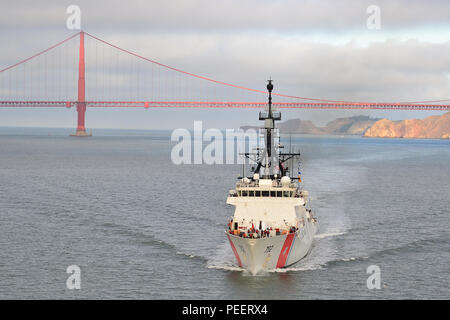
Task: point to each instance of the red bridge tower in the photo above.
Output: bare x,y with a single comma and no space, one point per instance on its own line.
81,103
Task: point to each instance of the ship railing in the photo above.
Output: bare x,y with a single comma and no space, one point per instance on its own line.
271,193
253,233
253,184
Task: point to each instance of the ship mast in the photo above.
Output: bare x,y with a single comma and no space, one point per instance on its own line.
270,156
270,164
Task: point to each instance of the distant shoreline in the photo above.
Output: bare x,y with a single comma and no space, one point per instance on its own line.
307,135
432,127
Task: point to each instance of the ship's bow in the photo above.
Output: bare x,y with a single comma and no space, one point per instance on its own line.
256,255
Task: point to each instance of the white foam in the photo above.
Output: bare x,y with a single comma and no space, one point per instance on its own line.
353,259
296,269
228,268
186,254
326,235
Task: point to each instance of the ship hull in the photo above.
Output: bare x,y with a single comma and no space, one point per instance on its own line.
256,255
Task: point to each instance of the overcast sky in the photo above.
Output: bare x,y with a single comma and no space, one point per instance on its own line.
319,49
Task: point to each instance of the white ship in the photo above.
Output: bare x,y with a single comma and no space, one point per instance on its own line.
272,226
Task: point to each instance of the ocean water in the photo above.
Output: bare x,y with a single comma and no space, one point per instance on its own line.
140,227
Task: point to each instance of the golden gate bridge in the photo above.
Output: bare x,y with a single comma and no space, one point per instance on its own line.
56,77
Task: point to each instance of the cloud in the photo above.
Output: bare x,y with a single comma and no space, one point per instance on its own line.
230,16
313,49
389,70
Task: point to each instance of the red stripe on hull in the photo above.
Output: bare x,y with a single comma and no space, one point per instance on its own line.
285,250
235,251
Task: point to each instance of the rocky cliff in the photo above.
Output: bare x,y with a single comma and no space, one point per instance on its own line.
356,125
433,127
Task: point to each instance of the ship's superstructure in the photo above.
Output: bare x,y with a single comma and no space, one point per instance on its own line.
272,226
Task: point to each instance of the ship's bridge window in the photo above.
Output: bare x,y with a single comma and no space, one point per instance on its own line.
244,193
285,193
272,193
251,193
265,193
257,193
278,193
239,193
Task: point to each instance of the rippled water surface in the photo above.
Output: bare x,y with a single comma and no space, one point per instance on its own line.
141,227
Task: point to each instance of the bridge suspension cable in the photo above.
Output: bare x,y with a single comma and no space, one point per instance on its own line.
341,103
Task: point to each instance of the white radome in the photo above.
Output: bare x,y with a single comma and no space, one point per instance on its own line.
285,181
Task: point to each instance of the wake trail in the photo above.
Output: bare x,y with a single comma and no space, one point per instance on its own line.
327,235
